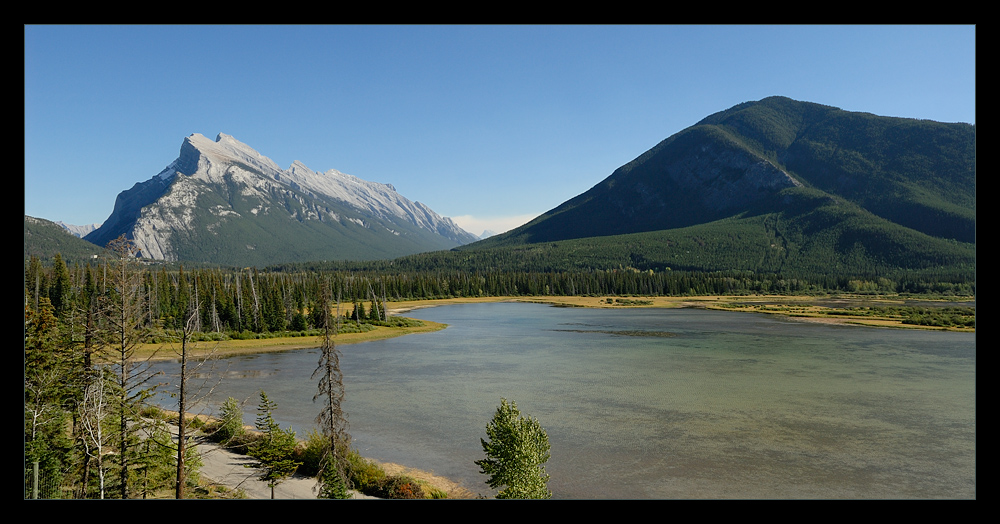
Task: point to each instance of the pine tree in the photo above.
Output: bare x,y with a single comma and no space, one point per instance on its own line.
124,315
50,374
59,292
231,422
274,451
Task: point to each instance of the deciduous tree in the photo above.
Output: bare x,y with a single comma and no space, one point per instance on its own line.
515,453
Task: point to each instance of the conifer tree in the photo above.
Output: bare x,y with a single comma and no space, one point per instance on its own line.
274,451
124,315
49,379
230,428
59,292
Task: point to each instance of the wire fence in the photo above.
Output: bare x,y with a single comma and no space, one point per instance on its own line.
38,486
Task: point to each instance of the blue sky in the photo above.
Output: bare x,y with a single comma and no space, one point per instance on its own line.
489,125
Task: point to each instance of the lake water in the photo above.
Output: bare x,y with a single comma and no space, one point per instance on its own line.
655,403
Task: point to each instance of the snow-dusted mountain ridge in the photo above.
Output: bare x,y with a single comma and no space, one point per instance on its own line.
372,196
221,200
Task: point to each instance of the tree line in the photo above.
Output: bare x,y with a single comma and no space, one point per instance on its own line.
249,301
86,426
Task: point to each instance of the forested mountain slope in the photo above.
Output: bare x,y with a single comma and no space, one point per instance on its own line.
780,185
43,239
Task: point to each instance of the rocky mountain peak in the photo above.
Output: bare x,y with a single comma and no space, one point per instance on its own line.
224,193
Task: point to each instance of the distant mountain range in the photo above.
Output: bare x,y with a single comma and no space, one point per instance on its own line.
773,186
78,231
223,202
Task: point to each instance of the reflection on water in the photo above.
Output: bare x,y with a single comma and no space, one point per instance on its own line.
730,405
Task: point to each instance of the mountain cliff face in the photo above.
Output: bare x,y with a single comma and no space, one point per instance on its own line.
223,202
771,156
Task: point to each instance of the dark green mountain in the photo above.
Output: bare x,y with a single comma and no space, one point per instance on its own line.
776,185
43,239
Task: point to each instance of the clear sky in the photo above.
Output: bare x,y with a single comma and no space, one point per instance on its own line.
489,125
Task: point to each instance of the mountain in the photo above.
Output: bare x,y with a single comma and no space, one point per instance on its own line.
78,231
775,185
223,202
43,239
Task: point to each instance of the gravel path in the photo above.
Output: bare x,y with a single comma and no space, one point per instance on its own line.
228,469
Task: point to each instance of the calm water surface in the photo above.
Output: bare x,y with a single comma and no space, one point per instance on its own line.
656,403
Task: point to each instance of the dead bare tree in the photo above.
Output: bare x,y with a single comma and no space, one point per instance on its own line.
93,412
182,406
184,395
375,309
332,419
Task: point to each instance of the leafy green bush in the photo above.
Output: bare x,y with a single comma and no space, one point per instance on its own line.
365,475
311,452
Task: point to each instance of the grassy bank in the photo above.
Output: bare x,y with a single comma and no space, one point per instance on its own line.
202,349
369,476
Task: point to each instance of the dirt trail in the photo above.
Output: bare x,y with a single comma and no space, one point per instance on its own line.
225,468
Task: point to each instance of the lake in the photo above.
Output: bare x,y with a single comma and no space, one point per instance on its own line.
655,403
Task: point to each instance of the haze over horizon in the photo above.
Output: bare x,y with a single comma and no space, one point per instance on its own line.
488,125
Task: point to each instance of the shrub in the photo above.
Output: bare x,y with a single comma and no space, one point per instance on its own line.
365,475
436,493
154,412
228,429
310,453
399,487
